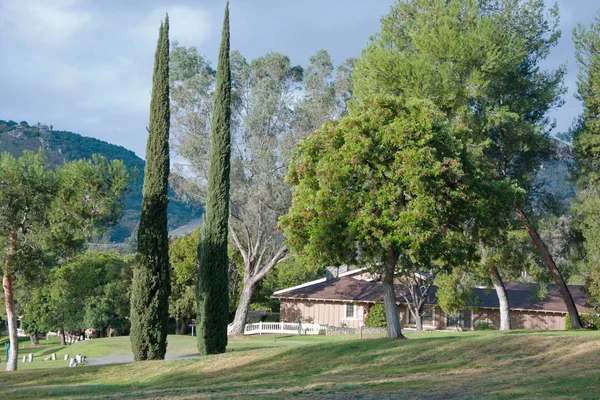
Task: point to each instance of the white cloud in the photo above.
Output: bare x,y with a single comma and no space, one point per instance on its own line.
45,22
187,25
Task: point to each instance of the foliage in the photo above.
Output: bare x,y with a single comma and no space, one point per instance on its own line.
589,321
482,326
46,214
568,325
88,292
36,315
376,317
151,274
109,308
269,318
274,105
586,140
455,291
391,179
61,146
479,62
183,258
400,178
213,287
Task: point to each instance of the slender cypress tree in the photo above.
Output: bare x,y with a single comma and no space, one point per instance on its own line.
213,284
151,275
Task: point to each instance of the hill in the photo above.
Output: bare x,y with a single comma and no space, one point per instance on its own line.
60,146
554,174
429,365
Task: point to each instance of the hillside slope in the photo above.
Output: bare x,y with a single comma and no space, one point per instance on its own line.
60,146
430,365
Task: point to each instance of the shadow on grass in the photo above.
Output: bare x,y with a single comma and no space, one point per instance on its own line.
436,367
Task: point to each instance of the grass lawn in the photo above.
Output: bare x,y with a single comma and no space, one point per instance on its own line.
472,365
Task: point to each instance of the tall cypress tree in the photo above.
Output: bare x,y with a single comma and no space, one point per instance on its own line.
151,275
213,285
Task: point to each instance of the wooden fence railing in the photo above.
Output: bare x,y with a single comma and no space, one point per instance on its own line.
289,328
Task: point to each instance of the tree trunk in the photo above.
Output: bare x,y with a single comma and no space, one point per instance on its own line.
551,265
13,355
63,342
181,328
241,313
33,337
389,296
419,321
502,299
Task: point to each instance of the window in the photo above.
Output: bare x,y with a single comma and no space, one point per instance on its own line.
426,317
461,319
350,311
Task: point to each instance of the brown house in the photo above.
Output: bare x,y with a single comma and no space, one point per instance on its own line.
346,300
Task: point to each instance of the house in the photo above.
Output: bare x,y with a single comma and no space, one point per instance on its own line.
345,300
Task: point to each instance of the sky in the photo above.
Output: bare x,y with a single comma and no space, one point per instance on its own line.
85,66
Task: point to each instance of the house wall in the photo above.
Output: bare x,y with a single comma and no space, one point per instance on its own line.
333,313
322,312
529,320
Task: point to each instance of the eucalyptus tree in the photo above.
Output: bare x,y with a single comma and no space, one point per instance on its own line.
270,113
480,63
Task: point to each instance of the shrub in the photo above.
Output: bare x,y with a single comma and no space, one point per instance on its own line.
270,318
588,321
482,326
376,317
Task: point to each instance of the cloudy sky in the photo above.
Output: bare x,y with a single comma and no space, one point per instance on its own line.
85,66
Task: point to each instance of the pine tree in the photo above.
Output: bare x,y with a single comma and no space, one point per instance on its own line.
213,291
151,276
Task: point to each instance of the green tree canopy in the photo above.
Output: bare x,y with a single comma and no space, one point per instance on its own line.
479,62
391,179
47,213
586,140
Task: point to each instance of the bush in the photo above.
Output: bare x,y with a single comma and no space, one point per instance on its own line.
376,317
588,321
270,318
482,326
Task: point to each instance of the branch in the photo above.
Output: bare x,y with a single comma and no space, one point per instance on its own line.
248,240
238,244
281,253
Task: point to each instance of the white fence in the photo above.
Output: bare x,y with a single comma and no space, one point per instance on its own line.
285,328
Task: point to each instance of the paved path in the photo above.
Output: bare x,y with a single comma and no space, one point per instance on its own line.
125,358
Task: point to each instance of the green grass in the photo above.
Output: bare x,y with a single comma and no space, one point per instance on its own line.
436,365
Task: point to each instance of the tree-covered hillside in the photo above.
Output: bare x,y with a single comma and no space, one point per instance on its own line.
60,146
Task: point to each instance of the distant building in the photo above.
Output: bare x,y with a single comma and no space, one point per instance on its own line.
345,300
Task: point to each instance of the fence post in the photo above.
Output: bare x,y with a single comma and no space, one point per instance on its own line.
260,327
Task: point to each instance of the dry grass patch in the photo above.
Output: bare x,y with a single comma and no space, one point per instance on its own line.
430,366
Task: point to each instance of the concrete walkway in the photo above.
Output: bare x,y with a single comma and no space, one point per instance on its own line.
125,358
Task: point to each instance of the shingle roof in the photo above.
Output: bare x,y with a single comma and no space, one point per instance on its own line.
520,295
